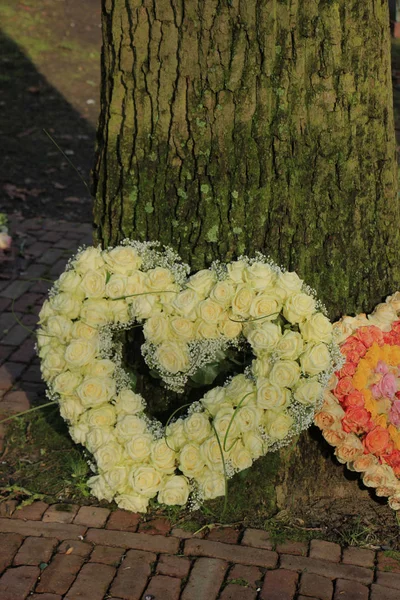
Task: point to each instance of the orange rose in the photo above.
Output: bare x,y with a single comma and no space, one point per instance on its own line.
378,441
357,420
353,349
369,335
344,387
348,369
356,398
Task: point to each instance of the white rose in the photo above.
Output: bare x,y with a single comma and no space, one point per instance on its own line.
247,418
285,373
101,416
127,402
108,455
230,328
254,443
242,301
159,279
70,281
191,462
210,452
290,345
145,306
134,502
88,260
205,330
119,310
122,259
95,313
266,306
394,301
182,328
315,359
290,283
146,480
278,424
264,337
96,390
308,391
317,329
222,292
162,456
211,484
260,276
94,284
135,284
173,356
157,329
185,303
174,491
214,400
66,305
240,457
239,387
46,312
202,282
82,330
59,327
236,270
116,287
298,307
70,408
175,433
261,367
139,447
117,477
78,432
209,311
80,352
53,363
128,426
103,367
226,426
98,436
269,395
66,383
197,427
100,489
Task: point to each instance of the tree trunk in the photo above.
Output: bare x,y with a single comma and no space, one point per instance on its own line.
230,126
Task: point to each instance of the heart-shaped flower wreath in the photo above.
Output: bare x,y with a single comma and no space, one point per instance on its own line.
360,416
188,322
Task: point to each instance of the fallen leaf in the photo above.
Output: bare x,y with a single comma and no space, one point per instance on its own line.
59,186
70,550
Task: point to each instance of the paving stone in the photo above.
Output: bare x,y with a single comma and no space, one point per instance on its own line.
279,585
325,550
37,249
45,597
50,256
92,582
9,374
139,541
26,301
5,304
251,575
227,535
123,520
59,575
7,507
8,321
155,526
31,512
32,272
205,579
387,563
15,289
9,544
107,555
5,352
379,592
234,554
350,590
237,592
75,547
315,585
32,374
390,580
16,583
167,588
257,538
92,516
40,529
296,548
16,336
173,566
35,551
326,568
25,353
61,513
14,402
359,556
132,575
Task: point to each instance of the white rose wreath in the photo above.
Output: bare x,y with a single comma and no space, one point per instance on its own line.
188,323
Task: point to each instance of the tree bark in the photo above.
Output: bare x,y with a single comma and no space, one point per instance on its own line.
230,126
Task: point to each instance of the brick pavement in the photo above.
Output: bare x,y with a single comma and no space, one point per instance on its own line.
91,553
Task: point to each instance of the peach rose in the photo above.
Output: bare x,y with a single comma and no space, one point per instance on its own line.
349,449
378,441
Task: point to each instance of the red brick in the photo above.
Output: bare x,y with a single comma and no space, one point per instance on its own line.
167,588
257,538
9,373
173,566
237,592
92,582
350,590
7,507
228,535
307,598
390,580
325,550
16,583
123,520
31,512
26,301
75,547
9,544
60,513
296,548
39,529
155,526
132,575
25,353
315,585
59,575
388,563
205,579
279,585
234,554
326,568
359,556
91,516
35,551
251,575
139,541
32,374
378,592
107,555
45,597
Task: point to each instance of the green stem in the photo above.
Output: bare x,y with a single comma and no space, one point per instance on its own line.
223,464
25,412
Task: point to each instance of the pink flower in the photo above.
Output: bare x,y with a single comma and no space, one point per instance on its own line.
387,387
382,368
5,241
394,415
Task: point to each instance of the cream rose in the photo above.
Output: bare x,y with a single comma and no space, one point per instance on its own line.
70,281
103,367
127,402
261,367
266,306
82,330
46,312
185,303
260,276
350,449
117,477
214,400
308,391
242,301
162,456
206,331
66,383
70,408
95,312
317,329
315,359
238,387
229,328
298,307
182,328
264,337
210,452
285,373
378,476
240,457
269,395
59,327
53,364
133,502
191,462
174,491
122,259
78,432
119,310
159,279
236,270
116,287
211,484
209,311
226,425
222,292
197,427
202,282
144,307
94,284
129,425
108,456
98,436
248,418
88,260
66,304
383,316
290,345
157,329
96,390
278,424
254,444
80,352
139,447
135,284
175,433
146,480
290,283
100,488
173,356
101,416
